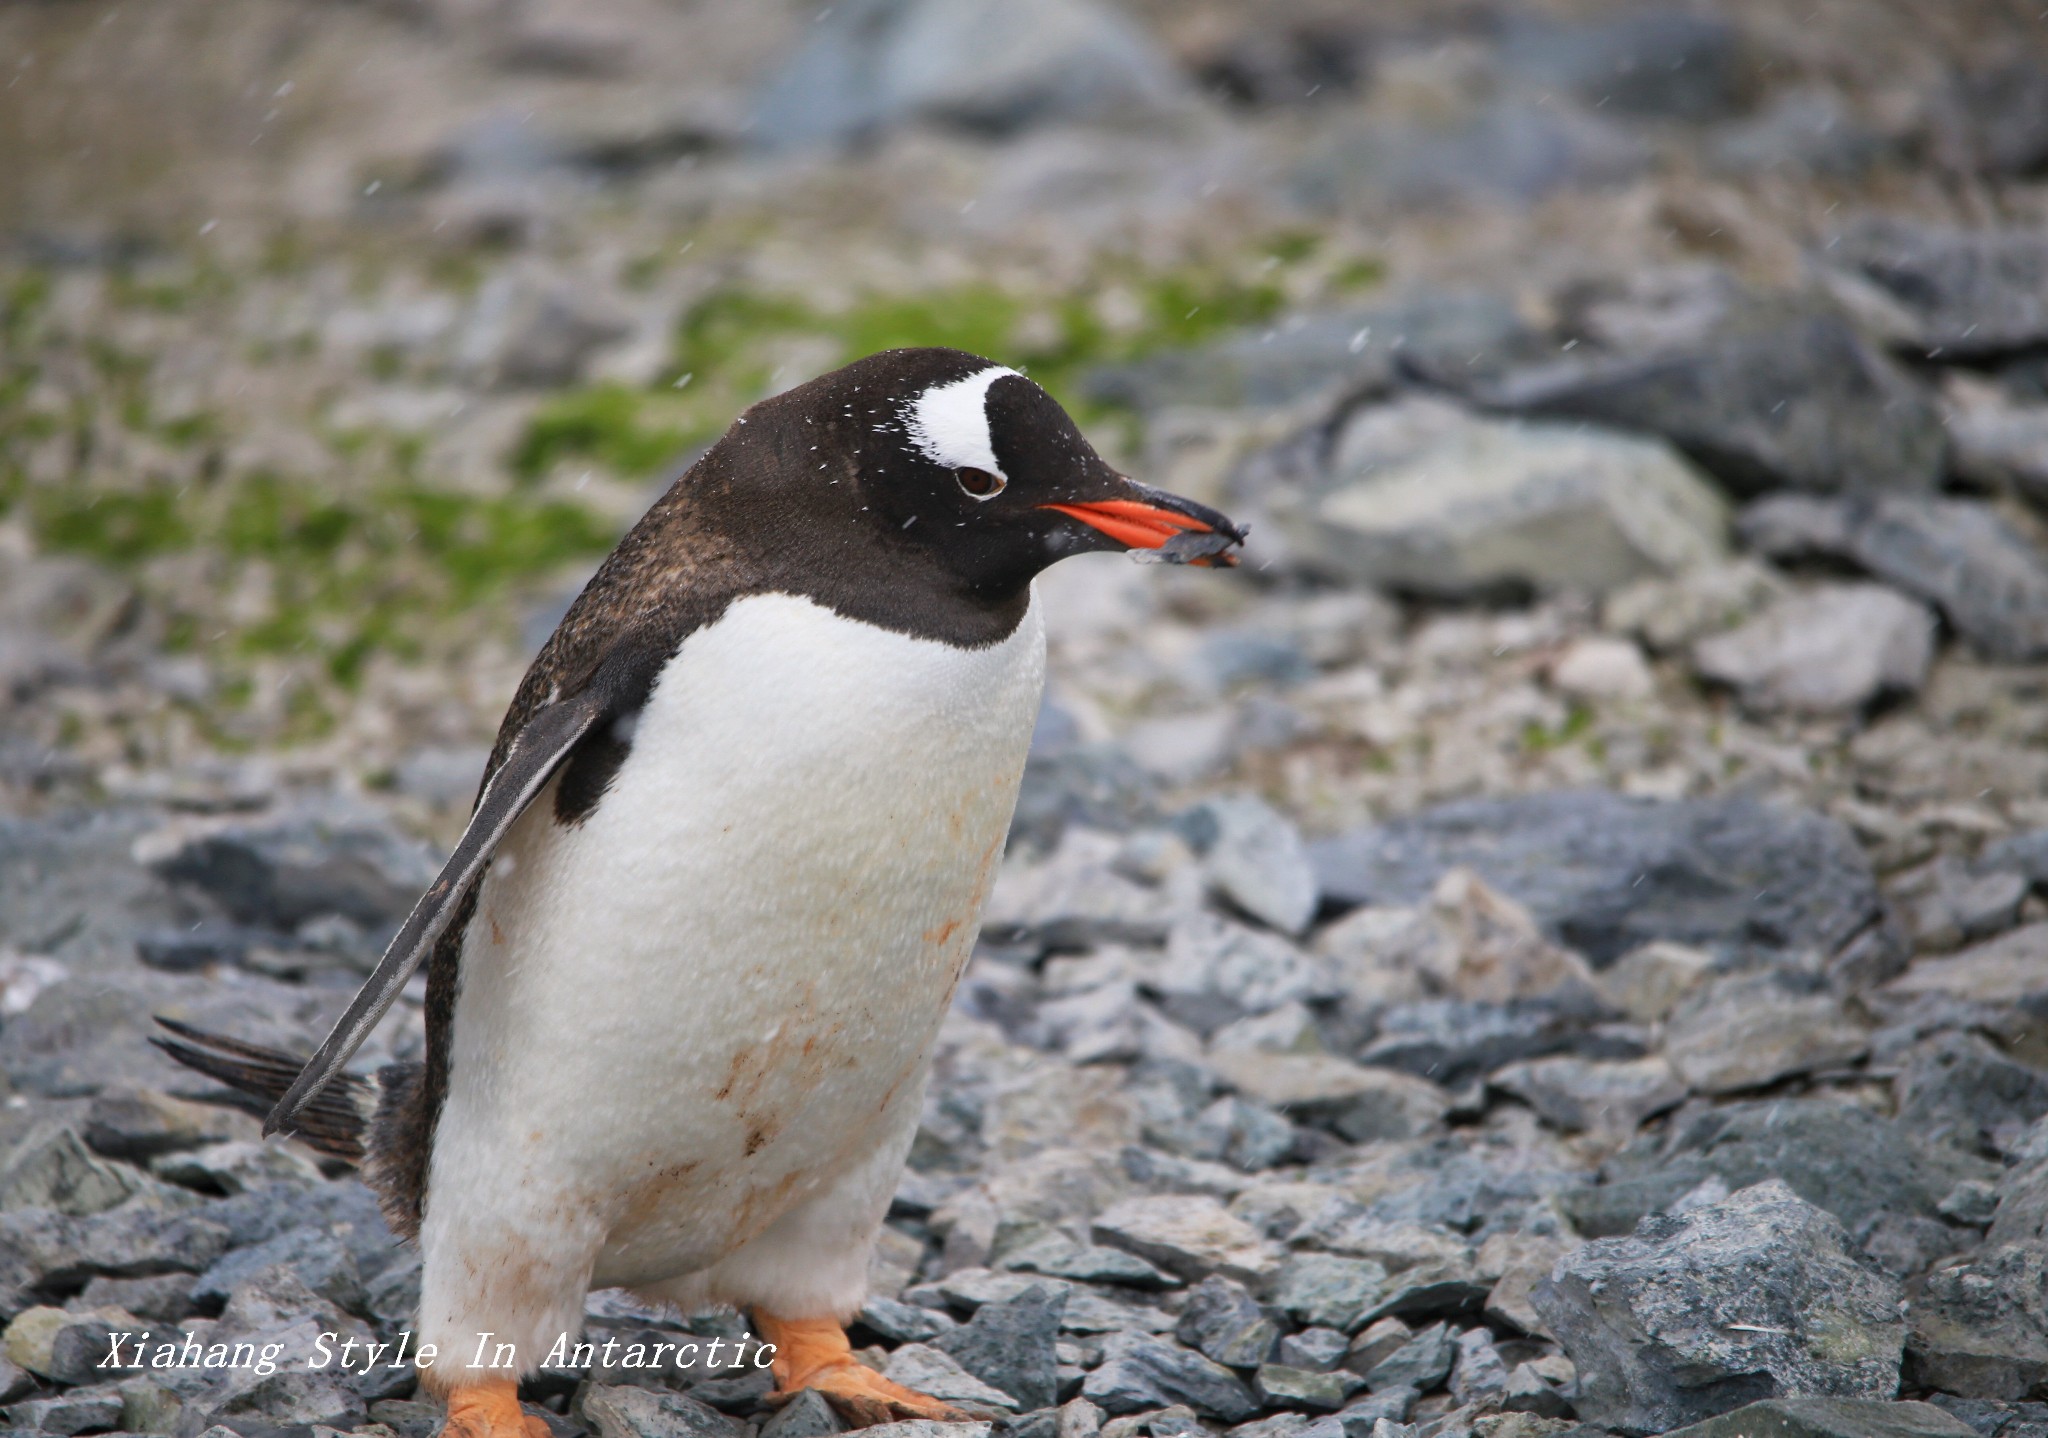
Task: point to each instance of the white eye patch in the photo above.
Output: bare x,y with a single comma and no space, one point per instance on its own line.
949,422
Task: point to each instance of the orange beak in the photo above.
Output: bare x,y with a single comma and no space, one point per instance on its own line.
1137,525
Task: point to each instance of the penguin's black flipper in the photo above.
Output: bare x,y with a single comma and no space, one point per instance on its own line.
543,742
333,1122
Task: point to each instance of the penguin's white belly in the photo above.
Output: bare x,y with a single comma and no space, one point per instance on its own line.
691,1013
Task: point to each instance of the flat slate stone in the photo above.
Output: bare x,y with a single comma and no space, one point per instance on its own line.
1830,1418
1604,873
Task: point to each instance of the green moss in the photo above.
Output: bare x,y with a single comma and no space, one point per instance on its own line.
616,426
1541,739
118,526
1363,273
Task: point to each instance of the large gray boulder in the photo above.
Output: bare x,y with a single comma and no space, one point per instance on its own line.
1841,1157
1980,1329
1970,294
1758,1296
1836,649
985,65
1604,873
1422,497
1763,392
1958,554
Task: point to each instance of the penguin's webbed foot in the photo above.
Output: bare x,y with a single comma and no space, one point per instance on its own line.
490,1409
864,1397
814,1353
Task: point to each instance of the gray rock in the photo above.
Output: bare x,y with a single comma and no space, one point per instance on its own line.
280,873
410,1418
1767,393
2001,448
807,1415
1757,1296
1517,148
1994,119
1479,1378
1452,1041
240,1166
1316,1349
1255,859
15,1381
52,1168
1351,351
1279,1386
1139,1371
287,1398
1748,1030
1980,1329
139,1238
1945,903
1391,1405
1803,132
2024,854
142,1124
1215,970
86,1351
1973,1203
1248,1135
1376,1342
1327,1290
320,1260
926,1428
1189,1236
1959,1089
1224,1322
928,1370
93,1411
1360,1103
1422,497
164,1299
629,1411
1839,1156
1667,63
1579,1094
1836,649
1096,785
2022,1215
1527,1391
982,66
1419,1364
1973,294
1603,873
1009,1345
903,1322
1830,1418
1958,554
1058,1256
345,1207
527,335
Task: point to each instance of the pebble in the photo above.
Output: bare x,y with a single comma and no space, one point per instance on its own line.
1837,649
1139,1371
1189,1236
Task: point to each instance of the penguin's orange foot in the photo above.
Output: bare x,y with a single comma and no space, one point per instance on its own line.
814,1353
864,1397
490,1409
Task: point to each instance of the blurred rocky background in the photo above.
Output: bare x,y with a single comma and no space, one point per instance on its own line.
1556,944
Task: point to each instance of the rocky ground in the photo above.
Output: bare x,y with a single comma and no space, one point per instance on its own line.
1557,944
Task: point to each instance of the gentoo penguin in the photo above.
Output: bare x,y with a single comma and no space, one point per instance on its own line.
687,965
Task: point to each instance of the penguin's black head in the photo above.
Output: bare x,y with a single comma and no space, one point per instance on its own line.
955,461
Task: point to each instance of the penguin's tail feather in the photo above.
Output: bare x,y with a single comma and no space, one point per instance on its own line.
335,1122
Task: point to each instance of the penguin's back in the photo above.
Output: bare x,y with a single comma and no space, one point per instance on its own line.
694,1001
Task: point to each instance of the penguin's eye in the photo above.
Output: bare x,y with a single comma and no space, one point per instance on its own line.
979,483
